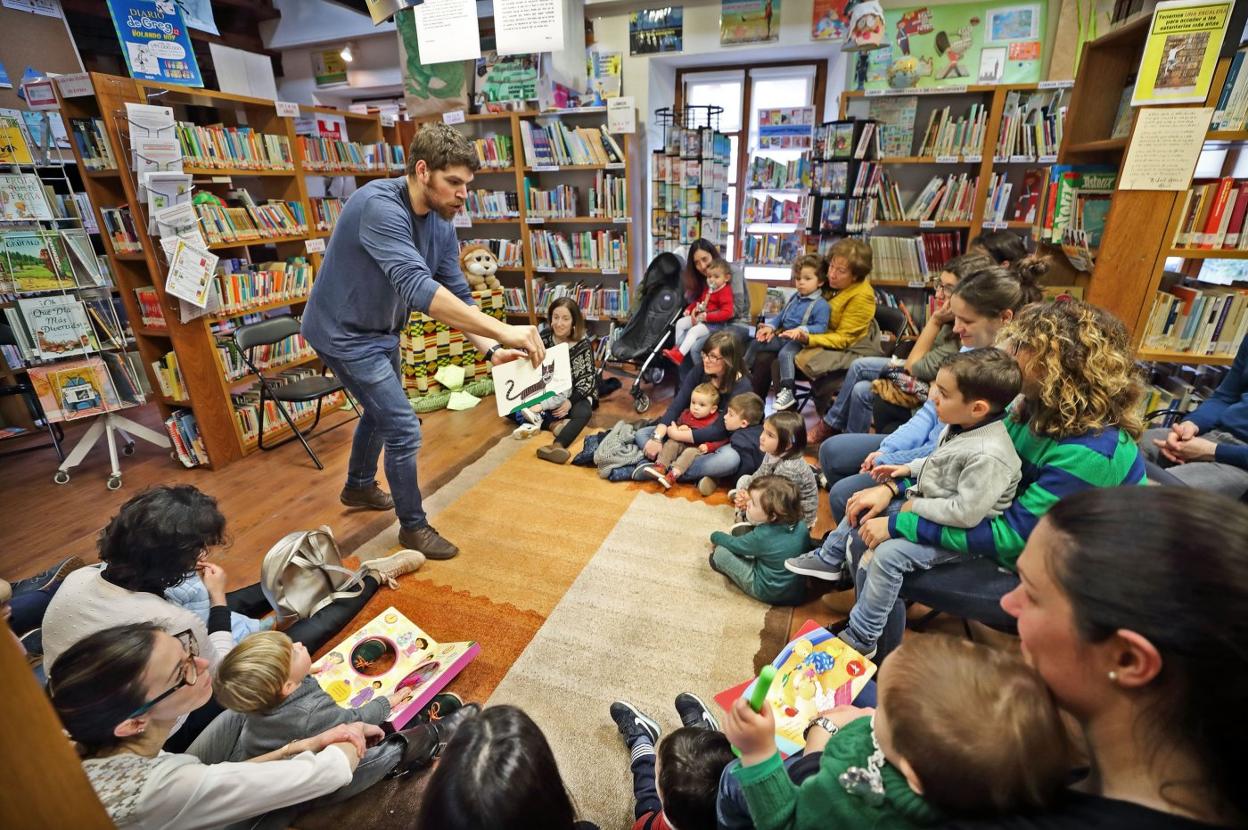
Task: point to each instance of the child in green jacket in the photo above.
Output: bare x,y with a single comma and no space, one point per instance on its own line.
754,561
960,730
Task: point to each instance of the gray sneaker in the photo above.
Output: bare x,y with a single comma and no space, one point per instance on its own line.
809,564
785,399
865,649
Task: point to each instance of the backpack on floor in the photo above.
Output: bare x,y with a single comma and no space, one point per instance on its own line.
303,573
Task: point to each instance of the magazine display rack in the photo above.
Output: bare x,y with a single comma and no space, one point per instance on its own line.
690,175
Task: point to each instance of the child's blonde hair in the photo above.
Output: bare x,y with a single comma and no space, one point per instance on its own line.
707,389
977,725
251,677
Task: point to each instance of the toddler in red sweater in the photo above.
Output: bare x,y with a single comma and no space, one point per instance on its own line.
707,314
676,456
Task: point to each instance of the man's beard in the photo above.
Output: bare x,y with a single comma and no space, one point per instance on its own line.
446,210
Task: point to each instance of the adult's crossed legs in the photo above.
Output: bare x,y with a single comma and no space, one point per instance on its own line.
840,458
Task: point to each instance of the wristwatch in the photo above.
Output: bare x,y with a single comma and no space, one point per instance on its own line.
489,353
824,724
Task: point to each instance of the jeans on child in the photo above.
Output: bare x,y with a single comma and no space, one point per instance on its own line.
833,551
722,463
852,410
785,358
881,578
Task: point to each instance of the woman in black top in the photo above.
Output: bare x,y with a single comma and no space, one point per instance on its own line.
1131,607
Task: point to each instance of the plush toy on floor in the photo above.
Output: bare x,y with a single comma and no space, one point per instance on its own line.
480,267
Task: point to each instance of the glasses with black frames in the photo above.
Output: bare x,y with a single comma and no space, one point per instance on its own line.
190,673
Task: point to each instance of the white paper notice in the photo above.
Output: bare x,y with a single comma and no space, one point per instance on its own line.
518,384
1164,148
621,115
446,30
525,26
190,274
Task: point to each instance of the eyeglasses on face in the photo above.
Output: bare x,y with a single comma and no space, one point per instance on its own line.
713,357
190,673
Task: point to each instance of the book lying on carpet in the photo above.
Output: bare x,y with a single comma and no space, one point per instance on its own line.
814,672
390,653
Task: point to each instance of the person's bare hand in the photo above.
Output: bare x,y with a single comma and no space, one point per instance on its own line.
1193,449
764,333
883,472
562,410
867,504
868,463
651,449
356,734
796,335
874,532
214,577
943,315
741,499
506,356
1185,430
400,697
526,338
753,733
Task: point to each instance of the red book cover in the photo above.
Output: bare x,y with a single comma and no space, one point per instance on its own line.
1214,219
1236,226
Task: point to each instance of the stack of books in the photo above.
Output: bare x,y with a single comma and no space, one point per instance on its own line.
492,204
1213,216
1032,125
243,285
1231,113
93,145
323,154
948,199
120,227
773,249
494,151
247,405
188,444
290,350
325,213
602,250
1200,321
150,314
949,136
609,196
169,377
596,303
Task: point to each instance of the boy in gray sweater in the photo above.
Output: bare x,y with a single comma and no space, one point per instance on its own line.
971,475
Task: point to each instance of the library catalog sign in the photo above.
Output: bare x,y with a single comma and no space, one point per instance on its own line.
155,41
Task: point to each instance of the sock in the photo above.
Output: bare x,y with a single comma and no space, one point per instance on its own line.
640,748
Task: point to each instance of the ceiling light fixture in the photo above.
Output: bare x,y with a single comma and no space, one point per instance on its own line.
345,54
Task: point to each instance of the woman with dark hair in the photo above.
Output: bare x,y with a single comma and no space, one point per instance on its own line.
1131,607
1004,247
721,365
498,772
119,693
566,324
693,282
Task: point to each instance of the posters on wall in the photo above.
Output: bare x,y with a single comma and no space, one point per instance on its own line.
198,15
47,8
829,20
651,31
328,68
749,21
448,31
428,89
1181,51
959,44
505,78
604,71
155,41
524,26
786,128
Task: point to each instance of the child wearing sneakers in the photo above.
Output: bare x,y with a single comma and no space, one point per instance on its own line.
754,560
705,315
805,313
960,730
690,763
971,475
783,441
676,456
744,422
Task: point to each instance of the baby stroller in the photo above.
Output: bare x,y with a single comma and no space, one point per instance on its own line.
645,334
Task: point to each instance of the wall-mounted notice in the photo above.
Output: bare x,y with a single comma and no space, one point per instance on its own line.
1181,52
524,26
622,115
1164,148
447,31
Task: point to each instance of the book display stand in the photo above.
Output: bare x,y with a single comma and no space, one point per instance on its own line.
690,176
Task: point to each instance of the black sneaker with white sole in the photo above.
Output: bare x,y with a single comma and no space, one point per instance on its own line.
633,724
694,713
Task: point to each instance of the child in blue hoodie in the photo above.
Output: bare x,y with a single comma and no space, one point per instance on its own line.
806,311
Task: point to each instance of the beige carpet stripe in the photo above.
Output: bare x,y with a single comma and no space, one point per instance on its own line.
645,620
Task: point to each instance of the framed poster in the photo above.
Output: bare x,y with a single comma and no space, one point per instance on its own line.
749,21
1181,52
651,31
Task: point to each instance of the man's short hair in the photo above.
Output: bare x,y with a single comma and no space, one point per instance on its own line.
441,146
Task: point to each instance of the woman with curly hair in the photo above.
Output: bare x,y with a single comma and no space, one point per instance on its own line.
1074,428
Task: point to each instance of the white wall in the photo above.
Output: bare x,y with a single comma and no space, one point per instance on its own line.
374,72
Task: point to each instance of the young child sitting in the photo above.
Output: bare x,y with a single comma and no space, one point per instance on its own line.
782,442
806,311
754,560
960,730
564,324
706,314
691,762
744,422
971,475
676,456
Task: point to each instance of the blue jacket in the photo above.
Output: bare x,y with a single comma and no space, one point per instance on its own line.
382,263
790,317
1227,410
745,442
192,595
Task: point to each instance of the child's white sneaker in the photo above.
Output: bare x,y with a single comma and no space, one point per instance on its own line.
525,431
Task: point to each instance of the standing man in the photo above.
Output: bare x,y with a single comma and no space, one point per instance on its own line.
394,251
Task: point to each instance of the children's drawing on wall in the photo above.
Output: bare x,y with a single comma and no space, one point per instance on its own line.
992,65
913,22
1013,23
953,50
749,21
904,73
830,20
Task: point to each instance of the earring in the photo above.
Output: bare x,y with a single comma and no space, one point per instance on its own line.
1113,677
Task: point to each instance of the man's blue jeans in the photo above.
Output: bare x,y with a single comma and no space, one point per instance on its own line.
376,382
719,464
852,410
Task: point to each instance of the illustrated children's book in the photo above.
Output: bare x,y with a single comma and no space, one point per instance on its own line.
813,673
391,653
74,389
22,198
58,325
35,261
519,384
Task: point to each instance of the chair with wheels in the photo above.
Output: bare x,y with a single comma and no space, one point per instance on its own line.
253,336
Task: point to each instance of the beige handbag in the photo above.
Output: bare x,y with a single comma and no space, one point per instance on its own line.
303,573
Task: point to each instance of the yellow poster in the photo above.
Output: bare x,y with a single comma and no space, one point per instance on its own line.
1181,52
13,149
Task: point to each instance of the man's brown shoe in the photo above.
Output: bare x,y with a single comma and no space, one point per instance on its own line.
554,454
426,540
820,433
369,498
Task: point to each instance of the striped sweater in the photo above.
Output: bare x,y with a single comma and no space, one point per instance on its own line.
1052,470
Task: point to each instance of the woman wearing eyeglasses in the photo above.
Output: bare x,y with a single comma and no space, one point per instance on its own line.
118,694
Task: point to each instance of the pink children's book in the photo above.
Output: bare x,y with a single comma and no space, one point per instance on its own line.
390,653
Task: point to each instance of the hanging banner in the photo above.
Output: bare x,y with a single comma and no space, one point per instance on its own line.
433,88
523,26
447,31
328,68
1181,52
155,41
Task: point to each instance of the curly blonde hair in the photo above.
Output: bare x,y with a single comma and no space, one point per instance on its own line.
1088,380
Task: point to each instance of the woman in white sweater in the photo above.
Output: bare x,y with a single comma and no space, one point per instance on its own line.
118,694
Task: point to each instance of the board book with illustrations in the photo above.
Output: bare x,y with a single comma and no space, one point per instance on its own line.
74,389
390,653
814,672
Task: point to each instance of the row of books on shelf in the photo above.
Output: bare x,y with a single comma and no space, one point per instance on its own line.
949,135
690,172
514,301
1201,321
93,144
271,220
1032,124
120,228
770,174
604,250
494,151
492,204
948,198
56,326
292,349
773,211
247,405
508,252
328,155
595,302
776,249
188,444
217,146
168,376
555,144
90,386
696,143
915,258
609,196
243,285
831,178
61,260
24,198
325,213
688,201
1231,113
1213,216
835,140
559,202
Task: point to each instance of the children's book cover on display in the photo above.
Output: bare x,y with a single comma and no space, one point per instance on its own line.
814,672
390,653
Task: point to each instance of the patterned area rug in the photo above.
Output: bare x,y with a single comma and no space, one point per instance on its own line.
580,592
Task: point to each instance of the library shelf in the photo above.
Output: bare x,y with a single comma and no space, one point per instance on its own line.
1206,253
1227,135
1163,356
568,168
484,170
508,221
952,158
237,171
571,220
913,223
248,243
269,306
251,376
1101,146
252,444
148,331
102,174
